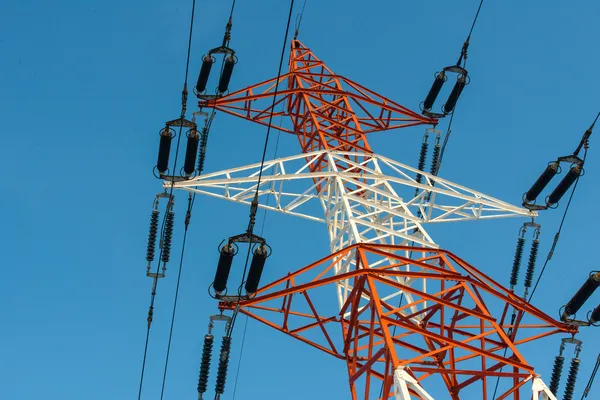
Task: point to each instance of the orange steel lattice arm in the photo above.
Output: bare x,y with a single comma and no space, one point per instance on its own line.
447,330
327,111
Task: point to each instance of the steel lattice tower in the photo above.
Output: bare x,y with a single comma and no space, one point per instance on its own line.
406,310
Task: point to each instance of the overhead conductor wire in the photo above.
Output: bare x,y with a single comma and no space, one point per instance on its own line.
264,153
262,229
182,117
191,200
262,162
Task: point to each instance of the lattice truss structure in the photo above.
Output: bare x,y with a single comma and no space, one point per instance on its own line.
365,198
447,329
403,313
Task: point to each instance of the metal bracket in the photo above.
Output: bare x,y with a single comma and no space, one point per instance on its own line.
572,159
181,122
247,238
456,69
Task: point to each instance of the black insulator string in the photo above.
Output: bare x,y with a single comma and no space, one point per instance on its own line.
557,236
182,117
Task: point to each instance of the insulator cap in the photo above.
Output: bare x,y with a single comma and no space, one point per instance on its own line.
455,94
226,75
190,153
564,185
256,269
582,295
434,91
164,148
223,268
207,63
541,182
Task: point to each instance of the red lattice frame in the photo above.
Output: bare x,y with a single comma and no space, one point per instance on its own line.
455,336
327,111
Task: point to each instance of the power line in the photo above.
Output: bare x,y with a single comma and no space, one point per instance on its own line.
264,153
187,220
184,94
475,19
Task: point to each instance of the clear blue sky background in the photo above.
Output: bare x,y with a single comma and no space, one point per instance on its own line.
84,89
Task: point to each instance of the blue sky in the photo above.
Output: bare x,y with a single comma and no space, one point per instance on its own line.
84,89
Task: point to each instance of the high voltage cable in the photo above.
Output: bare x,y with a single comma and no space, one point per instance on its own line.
262,229
182,117
187,220
250,224
191,200
475,19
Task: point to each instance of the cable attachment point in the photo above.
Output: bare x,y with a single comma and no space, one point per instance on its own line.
585,140
184,97
253,210
462,60
227,35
